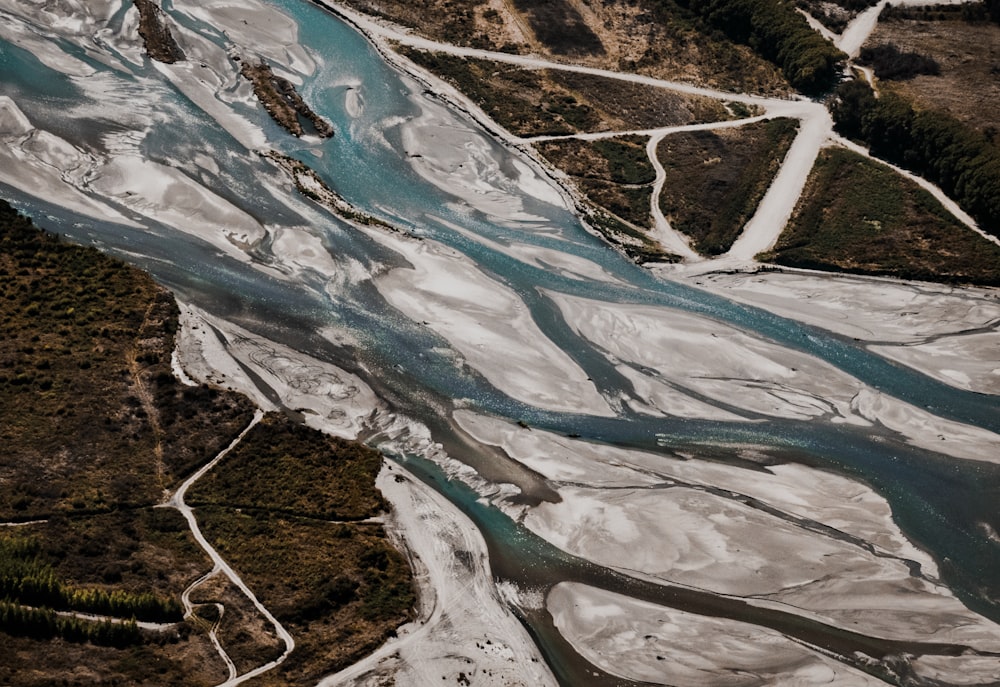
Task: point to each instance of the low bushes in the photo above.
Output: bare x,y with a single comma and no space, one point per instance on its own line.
935,145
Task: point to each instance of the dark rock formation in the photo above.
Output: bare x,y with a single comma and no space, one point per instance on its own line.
282,101
160,43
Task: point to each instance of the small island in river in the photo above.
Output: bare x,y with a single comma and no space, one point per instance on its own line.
282,101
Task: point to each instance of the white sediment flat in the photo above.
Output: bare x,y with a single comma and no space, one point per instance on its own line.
949,333
550,259
464,627
838,502
332,400
488,325
460,159
713,359
641,641
755,375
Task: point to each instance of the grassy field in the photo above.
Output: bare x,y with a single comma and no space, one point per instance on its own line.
859,216
968,55
285,510
715,179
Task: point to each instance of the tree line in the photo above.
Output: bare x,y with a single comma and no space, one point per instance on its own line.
779,34
44,623
27,580
973,12
962,161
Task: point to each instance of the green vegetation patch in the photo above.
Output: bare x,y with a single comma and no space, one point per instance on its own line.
342,589
44,623
891,63
716,179
93,419
615,177
835,14
621,160
137,551
859,216
31,592
282,101
155,33
677,43
614,174
26,578
94,429
964,162
33,662
125,566
632,241
628,203
286,467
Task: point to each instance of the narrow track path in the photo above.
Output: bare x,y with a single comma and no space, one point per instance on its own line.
768,222
177,501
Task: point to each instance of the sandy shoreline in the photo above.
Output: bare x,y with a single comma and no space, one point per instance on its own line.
946,332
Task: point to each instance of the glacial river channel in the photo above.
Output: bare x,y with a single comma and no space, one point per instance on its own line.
397,153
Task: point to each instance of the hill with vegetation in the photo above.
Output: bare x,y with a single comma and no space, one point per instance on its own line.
97,432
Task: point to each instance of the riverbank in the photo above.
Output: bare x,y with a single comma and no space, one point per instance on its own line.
950,333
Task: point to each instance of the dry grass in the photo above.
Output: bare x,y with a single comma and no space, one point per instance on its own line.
551,103
30,663
93,418
247,637
284,467
624,105
340,589
715,179
859,216
968,86
276,505
654,37
95,427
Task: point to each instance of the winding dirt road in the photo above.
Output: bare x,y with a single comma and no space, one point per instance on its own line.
220,566
768,222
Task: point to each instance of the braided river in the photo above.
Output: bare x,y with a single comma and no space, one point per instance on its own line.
676,479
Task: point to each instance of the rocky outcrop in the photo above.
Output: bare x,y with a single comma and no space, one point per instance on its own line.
309,184
282,101
160,43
